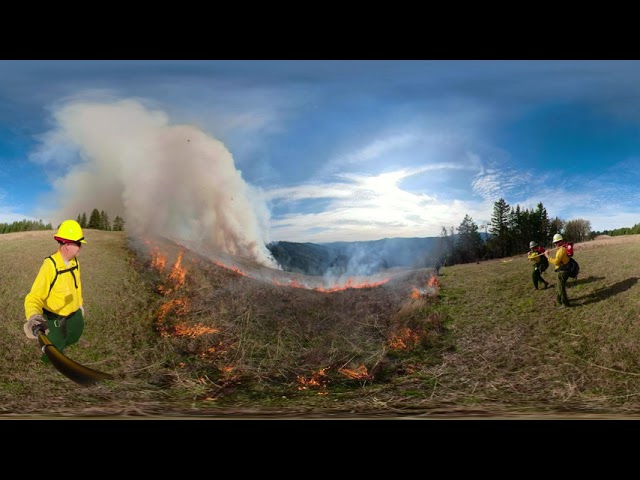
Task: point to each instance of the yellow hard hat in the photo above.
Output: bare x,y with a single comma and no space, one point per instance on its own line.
71,231
557,238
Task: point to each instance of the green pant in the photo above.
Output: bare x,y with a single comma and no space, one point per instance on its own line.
536,275
63,331
561,293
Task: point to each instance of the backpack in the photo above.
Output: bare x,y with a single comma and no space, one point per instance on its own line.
569,247
572,268
543,264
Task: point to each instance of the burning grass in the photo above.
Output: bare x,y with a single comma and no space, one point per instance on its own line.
278,334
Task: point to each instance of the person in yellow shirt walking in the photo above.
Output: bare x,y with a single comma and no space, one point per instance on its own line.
559,261
54,303
540,264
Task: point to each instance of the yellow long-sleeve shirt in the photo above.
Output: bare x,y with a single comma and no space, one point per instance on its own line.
560,259
536,255
65,296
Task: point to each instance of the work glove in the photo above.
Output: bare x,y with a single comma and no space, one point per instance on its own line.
33,322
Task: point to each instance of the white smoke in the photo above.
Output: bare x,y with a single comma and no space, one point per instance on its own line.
169,180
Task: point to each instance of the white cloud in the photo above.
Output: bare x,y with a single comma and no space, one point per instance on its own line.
378,148
368,207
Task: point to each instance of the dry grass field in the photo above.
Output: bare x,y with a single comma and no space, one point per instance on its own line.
195,334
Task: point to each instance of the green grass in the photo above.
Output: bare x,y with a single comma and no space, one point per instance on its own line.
220,343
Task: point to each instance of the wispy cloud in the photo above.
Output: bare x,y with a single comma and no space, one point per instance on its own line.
365,207
379,148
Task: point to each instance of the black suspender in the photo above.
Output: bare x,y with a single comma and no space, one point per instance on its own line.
58,272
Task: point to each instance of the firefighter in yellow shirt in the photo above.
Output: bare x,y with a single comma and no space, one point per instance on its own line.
540,264
559,261
54,303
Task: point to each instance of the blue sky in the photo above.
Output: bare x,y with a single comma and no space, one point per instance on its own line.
244,152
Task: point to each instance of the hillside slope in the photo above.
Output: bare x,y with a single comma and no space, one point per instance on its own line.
187,335
355,258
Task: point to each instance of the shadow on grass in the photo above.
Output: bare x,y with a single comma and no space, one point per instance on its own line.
607,292
574,283
582,281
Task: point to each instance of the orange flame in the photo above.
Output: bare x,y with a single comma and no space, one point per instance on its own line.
179,305
157,259
208,352
349,284
359,373
318,379
404,339
213,351
233,269
175,277
432,287
184,330
177,273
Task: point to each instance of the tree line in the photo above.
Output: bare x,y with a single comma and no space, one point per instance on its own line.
508,233
622,231
24,226
98,220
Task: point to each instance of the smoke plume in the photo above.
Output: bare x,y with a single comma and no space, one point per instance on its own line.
170,180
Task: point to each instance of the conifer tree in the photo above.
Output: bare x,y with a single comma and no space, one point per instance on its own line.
118,223
104,221
469,244
94,219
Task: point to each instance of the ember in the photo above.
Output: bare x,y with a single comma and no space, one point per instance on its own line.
318,379
431,288
233,269
179,305
183,330
177,273
404,339
157,260
359,373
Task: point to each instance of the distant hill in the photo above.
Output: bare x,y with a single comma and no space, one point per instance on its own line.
354,258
